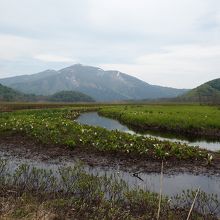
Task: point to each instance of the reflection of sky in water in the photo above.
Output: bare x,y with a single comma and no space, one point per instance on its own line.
172,184
92,118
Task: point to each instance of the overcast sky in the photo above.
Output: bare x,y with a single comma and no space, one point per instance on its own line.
166,42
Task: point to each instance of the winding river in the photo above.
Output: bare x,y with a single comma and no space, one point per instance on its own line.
92,118
172,184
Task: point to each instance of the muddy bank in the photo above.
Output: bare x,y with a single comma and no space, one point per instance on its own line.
27,148
193,133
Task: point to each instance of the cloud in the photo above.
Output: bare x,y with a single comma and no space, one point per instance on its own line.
146,17
54,58
170,42
12,47
181,65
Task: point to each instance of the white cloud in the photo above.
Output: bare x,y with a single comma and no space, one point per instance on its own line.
148,16
172,42
183,65
54,58
182,52
12,47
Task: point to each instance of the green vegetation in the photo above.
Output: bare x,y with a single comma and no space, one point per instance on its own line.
70,193
8,94
56,126
206,93
181,119
70,96
30,192
14,106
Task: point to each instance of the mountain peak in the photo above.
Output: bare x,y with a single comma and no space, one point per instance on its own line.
49,70
77,65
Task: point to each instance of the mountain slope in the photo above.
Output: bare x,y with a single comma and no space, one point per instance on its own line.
99,84
207,92
8,94
27,78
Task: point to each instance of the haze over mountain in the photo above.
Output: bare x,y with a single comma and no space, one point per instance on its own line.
207,92
95,82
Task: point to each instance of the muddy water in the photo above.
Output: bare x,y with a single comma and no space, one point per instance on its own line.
92,118
172,184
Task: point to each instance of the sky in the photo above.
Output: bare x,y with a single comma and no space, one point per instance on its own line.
164,42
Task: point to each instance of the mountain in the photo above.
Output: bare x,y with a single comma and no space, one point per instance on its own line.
8,94
28,78
69,96
207,92
99,84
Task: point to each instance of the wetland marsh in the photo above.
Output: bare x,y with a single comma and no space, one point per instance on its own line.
52,138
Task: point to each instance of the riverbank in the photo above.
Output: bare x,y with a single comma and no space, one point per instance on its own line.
95,119
58,128
28,148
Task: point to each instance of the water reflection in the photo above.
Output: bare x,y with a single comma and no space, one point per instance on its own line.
172,184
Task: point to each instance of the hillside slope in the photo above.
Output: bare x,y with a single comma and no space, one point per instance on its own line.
207,92
69,96
8,94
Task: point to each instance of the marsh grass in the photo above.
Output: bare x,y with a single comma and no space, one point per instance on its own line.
180,119
69,192
57,127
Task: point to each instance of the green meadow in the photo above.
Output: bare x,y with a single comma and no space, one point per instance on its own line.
57,126
181,119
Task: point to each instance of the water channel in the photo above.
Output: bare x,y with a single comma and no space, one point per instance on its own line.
172,184
92,118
